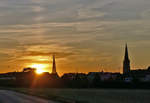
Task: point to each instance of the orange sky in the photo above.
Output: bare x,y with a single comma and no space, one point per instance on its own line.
85,35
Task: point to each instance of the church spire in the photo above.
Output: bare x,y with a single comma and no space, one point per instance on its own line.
126,62
126,53
54,66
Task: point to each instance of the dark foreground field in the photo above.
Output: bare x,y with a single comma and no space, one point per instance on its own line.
92,95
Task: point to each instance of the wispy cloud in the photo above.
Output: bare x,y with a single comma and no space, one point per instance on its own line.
83,33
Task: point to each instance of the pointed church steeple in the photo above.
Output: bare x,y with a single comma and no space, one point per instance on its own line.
54,66
126,53
126,62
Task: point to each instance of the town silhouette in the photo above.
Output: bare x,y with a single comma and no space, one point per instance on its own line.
139,78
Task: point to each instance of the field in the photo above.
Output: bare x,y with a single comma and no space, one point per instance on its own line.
92,95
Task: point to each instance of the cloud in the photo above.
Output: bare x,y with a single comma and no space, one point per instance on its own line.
80,32
58,54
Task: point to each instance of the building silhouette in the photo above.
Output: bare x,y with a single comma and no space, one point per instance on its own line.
54,66
126,62
54,73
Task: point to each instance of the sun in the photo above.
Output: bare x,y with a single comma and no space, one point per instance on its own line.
39,68
39,71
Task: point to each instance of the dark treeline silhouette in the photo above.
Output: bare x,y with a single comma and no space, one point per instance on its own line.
29,79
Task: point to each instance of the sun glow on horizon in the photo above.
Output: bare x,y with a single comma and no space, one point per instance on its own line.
40,68
39,71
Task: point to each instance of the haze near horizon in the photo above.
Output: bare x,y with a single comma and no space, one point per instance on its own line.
85,35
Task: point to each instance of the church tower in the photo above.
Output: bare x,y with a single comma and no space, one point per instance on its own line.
126,62
54,66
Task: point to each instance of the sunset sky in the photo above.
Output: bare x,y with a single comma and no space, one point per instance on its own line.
85,35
